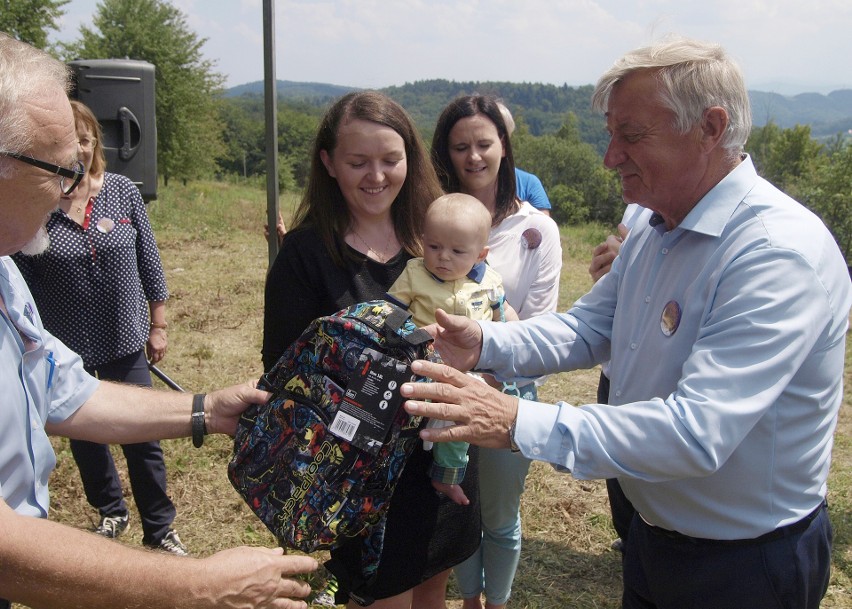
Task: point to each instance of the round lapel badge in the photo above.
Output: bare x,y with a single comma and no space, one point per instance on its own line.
531,238
670,319
105,225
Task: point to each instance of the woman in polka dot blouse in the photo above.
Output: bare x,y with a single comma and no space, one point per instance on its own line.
100,288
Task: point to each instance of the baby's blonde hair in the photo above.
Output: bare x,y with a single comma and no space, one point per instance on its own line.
461,207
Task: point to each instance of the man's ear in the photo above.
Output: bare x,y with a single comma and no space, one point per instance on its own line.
326,160
714,124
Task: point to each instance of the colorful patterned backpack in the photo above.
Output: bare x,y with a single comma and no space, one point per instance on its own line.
318,463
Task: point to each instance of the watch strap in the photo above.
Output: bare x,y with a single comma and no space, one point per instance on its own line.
199,425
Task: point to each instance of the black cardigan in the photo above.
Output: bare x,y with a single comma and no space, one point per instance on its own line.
304,283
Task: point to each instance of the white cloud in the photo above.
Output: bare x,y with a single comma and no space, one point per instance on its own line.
376,43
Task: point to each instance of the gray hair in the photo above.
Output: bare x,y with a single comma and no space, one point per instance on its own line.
25,73
693,77
507,118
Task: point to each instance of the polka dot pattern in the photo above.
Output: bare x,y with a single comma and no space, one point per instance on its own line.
92,286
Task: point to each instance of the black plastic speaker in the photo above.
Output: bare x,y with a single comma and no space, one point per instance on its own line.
120,93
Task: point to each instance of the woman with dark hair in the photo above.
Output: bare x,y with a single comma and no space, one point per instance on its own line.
479,116
472,154
355,229
100,288
358,221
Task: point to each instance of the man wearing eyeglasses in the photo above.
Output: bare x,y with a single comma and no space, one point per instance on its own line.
46,391
69,177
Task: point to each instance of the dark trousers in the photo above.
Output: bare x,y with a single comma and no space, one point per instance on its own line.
619,505
786,569
145,464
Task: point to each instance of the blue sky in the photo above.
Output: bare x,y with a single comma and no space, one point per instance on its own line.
788,46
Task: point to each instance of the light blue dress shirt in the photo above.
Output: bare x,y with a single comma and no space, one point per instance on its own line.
41,381
727,337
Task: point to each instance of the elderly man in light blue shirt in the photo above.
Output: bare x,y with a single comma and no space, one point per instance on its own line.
46,391
725,324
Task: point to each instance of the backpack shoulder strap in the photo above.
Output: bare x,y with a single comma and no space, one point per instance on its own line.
396,320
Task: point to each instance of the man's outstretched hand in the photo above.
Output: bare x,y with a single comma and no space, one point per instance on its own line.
458,340
482,414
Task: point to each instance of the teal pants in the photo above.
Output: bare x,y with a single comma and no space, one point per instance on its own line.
491,569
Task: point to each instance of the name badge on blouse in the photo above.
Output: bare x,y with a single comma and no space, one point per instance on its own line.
105,225
670,319
531,238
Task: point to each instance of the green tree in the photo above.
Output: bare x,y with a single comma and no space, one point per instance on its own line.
760,143
790,154
568,205
189,127
818,176
29,20
296,132
572,172
827,191
244,140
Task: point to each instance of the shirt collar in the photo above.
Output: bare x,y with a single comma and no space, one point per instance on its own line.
714,210
20,310
477,273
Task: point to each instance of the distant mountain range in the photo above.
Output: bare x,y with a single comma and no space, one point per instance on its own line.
287,89
543,106
827,114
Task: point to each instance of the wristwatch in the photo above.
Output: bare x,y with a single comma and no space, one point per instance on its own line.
199,425
512,445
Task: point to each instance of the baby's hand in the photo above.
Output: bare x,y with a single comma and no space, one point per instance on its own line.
453,491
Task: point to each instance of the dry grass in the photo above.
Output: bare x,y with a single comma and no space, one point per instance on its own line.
215,261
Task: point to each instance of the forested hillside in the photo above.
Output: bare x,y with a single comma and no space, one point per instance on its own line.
537,108
542,108
562,141
800,143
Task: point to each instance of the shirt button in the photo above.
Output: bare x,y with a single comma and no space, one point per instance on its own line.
536,451
665,250
633,345
618,393
647,299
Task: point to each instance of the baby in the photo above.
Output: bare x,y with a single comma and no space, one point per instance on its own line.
452,275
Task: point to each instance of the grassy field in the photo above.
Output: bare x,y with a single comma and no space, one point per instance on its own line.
210,238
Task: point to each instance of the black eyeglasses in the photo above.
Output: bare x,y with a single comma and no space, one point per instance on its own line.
75,173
